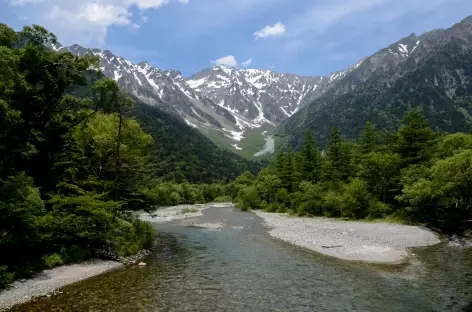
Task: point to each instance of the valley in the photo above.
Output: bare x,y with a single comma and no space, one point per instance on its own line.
237,188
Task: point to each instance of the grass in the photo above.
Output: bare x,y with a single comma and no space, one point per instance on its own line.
189,210
253,142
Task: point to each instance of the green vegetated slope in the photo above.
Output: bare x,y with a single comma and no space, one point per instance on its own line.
436,77
182,153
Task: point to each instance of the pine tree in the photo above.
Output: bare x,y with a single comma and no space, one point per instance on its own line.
338,155
414,138
310,159
369,138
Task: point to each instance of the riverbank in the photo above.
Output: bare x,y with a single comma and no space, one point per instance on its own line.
384,243
48,281
180,212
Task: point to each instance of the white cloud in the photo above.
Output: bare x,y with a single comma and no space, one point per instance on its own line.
228,60
247,62
275,30
87,22
23,2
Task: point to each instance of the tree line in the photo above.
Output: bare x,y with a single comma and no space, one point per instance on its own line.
415,175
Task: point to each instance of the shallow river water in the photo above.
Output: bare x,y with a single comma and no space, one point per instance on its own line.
240,268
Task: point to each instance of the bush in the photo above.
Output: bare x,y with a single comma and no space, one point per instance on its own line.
378,209
52,260
74,253
6,277
332,202
131,236
189,210
356,200
249,198
223,199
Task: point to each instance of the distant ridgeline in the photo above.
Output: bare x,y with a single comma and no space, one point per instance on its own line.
432,72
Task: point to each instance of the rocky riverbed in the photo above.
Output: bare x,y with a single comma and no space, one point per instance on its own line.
47,282
350,240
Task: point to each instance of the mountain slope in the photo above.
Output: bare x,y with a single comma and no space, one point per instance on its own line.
181,153
432,71
230,106
163,88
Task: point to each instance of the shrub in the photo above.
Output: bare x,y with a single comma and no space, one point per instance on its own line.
356,200
332,203
6,277
131,236
378,209
74,253
223,199
249,198
189,210
52,260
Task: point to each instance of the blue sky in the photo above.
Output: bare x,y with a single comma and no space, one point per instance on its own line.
308,37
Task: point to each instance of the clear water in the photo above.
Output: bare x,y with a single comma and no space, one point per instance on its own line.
240,268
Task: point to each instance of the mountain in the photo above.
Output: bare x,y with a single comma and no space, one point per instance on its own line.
181,153
230,106
163,88
432,72
260,97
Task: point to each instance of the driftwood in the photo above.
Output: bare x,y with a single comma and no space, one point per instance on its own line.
335,246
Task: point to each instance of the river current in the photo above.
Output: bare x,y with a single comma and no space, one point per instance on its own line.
241,268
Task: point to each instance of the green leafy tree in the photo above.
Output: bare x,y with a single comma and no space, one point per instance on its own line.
445,198
381,172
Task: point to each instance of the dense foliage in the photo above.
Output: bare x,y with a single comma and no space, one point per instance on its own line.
183,154
414,174
70,169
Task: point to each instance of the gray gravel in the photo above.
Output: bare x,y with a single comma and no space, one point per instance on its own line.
179,212
49,281
350,240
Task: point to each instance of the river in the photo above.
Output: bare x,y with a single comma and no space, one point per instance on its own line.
241,268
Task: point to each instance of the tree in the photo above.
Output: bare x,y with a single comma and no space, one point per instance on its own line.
369,138
445,197
339,166
267,186
415,138
310,160
285,168
381,172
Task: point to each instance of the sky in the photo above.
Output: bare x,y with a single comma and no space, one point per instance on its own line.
305,37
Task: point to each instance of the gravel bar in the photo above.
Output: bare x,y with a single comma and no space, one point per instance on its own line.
385,243
179,212
48,281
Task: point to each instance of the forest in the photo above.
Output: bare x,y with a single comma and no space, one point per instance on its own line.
413,175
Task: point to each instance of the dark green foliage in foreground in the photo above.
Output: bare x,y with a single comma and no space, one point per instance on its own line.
414,174
70,168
